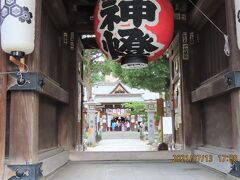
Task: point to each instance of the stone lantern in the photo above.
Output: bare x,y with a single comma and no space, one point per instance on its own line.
91,112
151,109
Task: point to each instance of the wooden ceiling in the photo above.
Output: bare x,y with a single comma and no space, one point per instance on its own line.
80,14
77,15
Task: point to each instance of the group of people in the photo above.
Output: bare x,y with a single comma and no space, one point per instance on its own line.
120,125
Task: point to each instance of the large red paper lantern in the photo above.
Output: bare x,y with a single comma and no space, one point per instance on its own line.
134,32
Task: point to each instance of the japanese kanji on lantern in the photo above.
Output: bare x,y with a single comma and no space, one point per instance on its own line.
134,32
17,27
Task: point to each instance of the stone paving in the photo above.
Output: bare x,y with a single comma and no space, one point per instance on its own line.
120,145
135,171
120,135
122,170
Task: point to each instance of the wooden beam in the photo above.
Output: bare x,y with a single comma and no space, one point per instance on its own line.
3,110
82,17
82,2
57,12
53,90
87,28
197,20
40,83
174,48
220,84
90,43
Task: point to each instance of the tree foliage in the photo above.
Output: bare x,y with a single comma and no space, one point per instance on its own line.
137,108
154,78
94,69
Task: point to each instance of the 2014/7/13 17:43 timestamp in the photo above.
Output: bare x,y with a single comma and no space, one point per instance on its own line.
207,158
228,158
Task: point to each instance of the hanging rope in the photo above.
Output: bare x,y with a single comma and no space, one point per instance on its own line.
226,45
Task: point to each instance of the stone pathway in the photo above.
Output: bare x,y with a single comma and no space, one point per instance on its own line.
120,145
135,171
121,135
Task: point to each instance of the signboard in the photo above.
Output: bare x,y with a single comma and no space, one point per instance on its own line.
160,107
151,127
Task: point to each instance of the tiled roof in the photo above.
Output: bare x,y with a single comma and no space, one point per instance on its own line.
105,89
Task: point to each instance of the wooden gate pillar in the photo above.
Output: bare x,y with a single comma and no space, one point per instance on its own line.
234,65
24,127
24,110
3,100
69,125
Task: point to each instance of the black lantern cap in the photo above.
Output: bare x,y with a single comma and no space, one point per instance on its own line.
134,62
18,54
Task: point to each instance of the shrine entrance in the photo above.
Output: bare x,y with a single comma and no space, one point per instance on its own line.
45,120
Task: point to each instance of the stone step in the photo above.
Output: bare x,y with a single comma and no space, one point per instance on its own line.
125,156
219,162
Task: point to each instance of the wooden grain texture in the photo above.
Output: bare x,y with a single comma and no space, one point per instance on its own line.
48,87
217,122
53,90
48,124
3,105
24,127
24,110
67,114
207,81
197,20
83,2
175,56
185,79
234,65
49,47
172,74
192,112
216,86
190,131
34,59
186,104
211,45
196,108
160,107
57,13
79,123
85,29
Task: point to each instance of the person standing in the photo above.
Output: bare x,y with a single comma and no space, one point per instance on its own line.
122,126
128,126
117,126
113,126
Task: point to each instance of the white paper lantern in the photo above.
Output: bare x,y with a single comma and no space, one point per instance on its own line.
237,12
17,26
